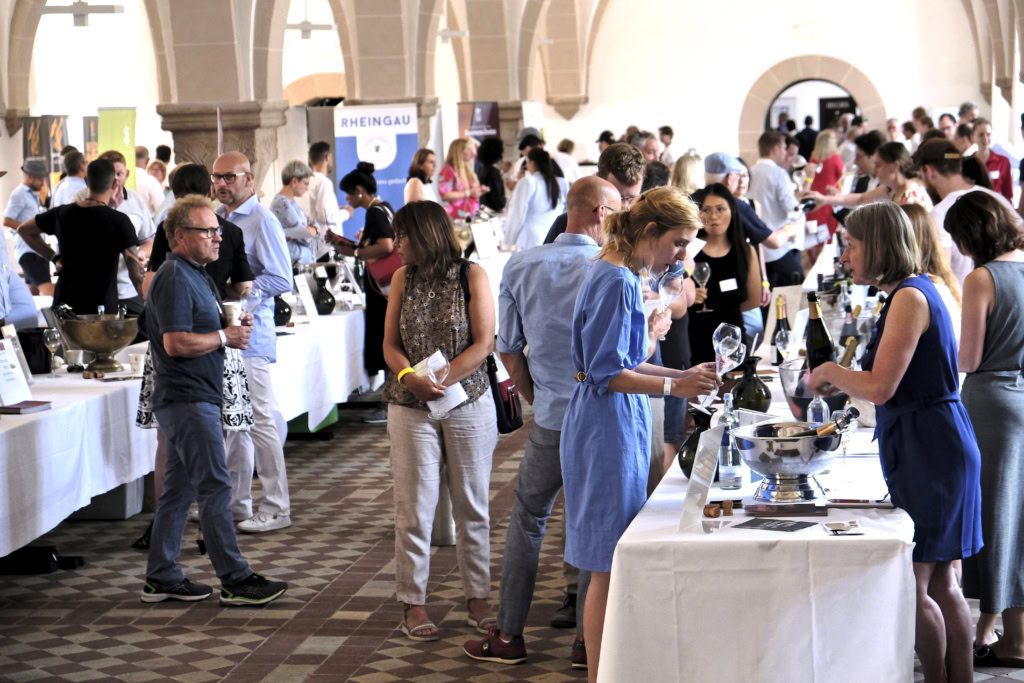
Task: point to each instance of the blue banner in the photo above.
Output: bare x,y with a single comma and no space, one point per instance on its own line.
387,136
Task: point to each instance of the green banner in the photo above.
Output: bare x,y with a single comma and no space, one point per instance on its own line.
117,131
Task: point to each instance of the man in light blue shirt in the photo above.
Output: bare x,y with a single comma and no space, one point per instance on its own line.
537,299
772,188
74,180
272,267
23,205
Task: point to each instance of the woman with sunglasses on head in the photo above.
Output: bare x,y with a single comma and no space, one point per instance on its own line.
929,454
298,231
606,431
735,283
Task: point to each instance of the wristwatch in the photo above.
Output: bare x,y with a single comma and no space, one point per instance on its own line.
668,386
223,338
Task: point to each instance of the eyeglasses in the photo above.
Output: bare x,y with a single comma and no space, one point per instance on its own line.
714,210
606,207
228,178
208,233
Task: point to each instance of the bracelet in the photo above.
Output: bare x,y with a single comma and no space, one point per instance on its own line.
765,283
403,373
223,338
668,386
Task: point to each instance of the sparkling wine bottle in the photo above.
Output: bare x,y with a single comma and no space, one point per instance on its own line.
782,328
820,348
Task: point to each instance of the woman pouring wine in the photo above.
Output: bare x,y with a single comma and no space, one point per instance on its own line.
928,449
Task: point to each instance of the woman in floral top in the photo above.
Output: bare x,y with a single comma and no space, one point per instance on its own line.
457,183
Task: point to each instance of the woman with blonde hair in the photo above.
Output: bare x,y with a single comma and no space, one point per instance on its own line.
439,302
688,173
606,432
826,168
934,263
457,183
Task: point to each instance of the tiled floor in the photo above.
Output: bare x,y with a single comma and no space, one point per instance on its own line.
337,621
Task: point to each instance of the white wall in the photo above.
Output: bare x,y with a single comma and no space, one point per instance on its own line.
321,52
690,65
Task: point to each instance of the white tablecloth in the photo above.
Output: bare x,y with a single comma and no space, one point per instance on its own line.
52,463
752,605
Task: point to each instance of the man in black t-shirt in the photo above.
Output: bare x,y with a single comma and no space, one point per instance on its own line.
92,237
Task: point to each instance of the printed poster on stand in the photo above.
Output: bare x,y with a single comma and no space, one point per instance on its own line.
478,120
387,136
43,139
117,131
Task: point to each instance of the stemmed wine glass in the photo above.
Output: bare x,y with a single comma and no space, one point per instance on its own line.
438,375
729,353
251,300
669,286
51,338
701,275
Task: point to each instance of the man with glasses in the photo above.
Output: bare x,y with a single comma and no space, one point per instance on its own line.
531,317
271,265
188,337
94,240
623,166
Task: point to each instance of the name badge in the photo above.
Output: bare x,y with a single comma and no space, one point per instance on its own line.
994,175
728,285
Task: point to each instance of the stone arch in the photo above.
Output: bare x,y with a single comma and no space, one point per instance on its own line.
21,40
314,87
805,67
269,19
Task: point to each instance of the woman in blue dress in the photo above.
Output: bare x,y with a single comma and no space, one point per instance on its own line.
928,448
606,433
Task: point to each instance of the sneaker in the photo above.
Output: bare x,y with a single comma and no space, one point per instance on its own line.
579,654
565,616
494,649
261,522
255,590
193,513
377,417
185,590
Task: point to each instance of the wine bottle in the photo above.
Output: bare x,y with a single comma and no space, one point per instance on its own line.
849,330
851,348
841,419
781,326
820,348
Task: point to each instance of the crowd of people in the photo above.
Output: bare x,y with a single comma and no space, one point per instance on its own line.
920,215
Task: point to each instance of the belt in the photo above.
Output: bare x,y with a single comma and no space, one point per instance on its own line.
886,417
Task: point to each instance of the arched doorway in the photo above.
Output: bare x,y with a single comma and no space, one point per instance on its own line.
823,101
806,67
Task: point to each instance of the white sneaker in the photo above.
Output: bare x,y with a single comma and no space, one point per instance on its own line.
193,513
262,522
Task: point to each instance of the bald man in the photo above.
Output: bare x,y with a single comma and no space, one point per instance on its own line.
530,316
267,253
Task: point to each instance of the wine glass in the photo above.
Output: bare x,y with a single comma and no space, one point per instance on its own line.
701,275
669,286
729,353
783,338
438,375
51,338
252,299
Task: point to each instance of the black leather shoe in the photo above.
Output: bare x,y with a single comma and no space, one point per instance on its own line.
565,616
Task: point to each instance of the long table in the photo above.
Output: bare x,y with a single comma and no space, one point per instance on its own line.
734,604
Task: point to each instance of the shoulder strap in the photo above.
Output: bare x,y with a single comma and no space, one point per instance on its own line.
464,280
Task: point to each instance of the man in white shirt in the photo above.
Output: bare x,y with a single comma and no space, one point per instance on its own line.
665,133
321,203
773,189
939,163
963,140
74,179
135,207
146,185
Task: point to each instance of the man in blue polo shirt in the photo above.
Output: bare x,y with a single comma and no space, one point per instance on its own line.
23,205
183,316
531,316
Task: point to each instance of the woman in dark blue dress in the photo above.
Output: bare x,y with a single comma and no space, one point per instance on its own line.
928,448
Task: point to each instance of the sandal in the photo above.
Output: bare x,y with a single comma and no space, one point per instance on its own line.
481,625
985,657
411,631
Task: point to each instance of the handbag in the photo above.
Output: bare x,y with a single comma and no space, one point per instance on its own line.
383,269
507,405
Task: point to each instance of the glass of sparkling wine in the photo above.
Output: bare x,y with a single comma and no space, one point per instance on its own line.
51,338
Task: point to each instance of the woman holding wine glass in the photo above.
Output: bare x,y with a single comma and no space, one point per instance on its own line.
732,284
606,431
439,302
928,449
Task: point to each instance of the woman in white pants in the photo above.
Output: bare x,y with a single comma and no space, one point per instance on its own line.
439,302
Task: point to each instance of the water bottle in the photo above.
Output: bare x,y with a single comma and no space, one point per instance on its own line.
817,411
730,464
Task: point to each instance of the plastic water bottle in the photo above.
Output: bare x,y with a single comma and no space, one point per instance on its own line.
730,464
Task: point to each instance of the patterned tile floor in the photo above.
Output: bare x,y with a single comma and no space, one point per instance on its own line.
337,621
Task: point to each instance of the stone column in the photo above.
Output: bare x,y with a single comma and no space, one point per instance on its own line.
249,128
510,122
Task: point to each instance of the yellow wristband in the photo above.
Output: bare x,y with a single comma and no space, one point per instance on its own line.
765,283
403,373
